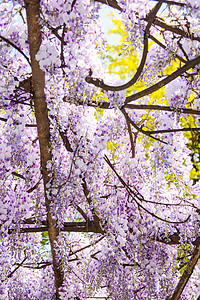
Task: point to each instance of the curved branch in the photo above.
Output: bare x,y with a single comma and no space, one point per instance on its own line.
190,64
99,83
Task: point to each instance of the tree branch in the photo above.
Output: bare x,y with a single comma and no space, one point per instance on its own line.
176,29
16,47
86,247
190,64
68,227
165,108
11,273
17,123
147,133
99,83
89,200
170,239
131,139
135,197
172,130
111,3
37,266
173,3
164,47
187,273
65,140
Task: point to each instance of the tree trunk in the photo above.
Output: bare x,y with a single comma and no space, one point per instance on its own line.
42,120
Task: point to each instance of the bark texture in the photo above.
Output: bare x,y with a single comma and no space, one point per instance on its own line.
42,120
187,273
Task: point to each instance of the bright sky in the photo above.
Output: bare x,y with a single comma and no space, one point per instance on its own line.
107,23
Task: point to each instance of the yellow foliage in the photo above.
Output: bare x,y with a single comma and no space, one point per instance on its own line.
112,146
124,60
183,256
99,97
194,145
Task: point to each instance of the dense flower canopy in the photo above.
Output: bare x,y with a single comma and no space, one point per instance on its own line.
96,195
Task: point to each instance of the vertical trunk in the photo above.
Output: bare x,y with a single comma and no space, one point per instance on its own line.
41,113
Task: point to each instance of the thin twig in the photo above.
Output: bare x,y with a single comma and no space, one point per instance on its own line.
131,138
72,6
88,246
134,196
18,175
62,59
34,187
176,29
164,47
37,266
11,273
89,200
128,119
16,47
17,123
